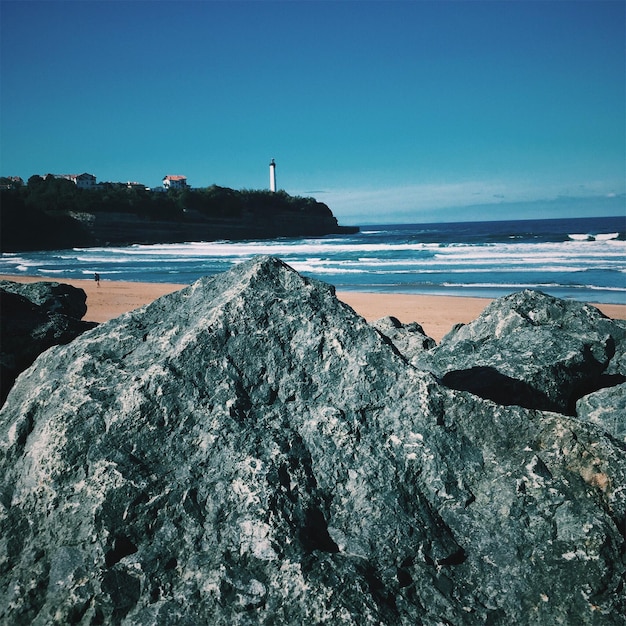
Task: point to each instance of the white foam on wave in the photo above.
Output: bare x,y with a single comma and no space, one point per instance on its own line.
238,251
317,269
275,248
518,286
327,259
23,264
107,272
363,263
591,238
508,285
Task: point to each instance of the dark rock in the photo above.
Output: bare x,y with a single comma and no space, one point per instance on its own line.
27,328
51,297
249,451
532,350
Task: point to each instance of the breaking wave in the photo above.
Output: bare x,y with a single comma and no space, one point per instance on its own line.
562,257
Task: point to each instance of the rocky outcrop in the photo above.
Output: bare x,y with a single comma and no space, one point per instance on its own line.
52,297
53,214
248,450
533,350
34,317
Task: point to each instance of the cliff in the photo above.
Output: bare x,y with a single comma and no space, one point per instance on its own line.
249,450
54,214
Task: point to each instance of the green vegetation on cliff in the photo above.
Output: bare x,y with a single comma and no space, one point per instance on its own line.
49,213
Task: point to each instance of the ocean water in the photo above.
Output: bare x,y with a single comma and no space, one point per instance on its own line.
582,259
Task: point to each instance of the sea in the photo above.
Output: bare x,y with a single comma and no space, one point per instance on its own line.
573,258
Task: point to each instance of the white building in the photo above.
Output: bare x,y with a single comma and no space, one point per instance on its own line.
82,181
273,175
174,182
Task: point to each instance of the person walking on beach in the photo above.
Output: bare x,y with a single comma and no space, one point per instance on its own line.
97,278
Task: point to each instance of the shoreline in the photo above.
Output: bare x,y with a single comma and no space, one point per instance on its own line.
437,314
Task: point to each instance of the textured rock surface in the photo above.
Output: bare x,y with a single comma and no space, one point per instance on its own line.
533,350
51,297
249,451
409,339
607,408
617,365
32,318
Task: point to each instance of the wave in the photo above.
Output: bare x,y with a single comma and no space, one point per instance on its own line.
539,269
524,285
453,257
606,236
381,252
590,237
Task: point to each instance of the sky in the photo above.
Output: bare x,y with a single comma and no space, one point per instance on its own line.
387,111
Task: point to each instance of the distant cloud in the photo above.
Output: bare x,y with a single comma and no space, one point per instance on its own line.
457,200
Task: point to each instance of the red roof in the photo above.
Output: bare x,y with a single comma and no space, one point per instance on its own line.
175,177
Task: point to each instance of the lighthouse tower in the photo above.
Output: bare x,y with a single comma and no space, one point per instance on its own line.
272,175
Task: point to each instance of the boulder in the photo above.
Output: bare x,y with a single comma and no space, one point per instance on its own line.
249,450
27,329
409,339
532,350
52,297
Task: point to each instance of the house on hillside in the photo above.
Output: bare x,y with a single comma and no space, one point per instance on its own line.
135,185
174,182
11,182
82,181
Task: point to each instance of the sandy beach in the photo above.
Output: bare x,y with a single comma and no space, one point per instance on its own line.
437,314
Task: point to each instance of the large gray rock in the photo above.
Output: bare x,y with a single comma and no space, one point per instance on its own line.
52,297
249,451
29,327
533,350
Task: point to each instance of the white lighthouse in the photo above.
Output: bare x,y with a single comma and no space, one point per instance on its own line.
272,175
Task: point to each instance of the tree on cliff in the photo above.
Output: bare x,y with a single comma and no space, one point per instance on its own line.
46,214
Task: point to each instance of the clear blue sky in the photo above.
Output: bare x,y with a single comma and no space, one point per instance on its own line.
387,111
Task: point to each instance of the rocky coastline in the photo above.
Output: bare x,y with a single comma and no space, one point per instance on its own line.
249,450
48,216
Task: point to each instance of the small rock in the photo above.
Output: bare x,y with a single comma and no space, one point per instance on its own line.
409,339
27,329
